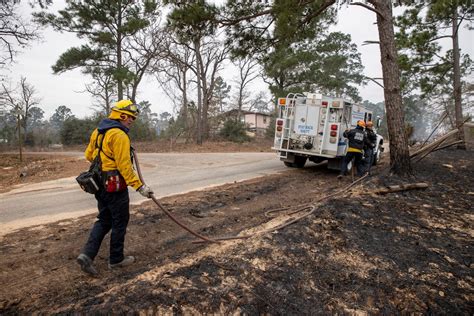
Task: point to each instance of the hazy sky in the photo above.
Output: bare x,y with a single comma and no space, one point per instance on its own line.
35,64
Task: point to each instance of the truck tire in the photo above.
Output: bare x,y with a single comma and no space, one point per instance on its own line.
289,164
335,163
300,161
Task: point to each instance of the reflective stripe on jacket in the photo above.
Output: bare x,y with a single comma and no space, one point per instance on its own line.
353,150
116,145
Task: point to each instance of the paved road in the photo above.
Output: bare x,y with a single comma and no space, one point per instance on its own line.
167,174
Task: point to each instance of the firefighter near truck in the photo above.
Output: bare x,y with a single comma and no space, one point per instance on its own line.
310,126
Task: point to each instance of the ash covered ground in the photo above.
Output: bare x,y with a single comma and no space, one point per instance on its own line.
410,251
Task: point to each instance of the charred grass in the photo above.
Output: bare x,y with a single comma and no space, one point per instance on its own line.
405,252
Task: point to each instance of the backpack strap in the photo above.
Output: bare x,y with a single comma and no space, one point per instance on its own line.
132,150
100,146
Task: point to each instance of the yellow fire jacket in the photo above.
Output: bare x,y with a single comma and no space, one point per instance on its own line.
116,145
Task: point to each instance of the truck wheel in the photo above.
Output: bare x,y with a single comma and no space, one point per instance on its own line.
300,161
289,164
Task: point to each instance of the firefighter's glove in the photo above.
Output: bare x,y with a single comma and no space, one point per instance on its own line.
145,190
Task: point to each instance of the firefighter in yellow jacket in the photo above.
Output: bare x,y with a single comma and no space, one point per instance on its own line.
110,140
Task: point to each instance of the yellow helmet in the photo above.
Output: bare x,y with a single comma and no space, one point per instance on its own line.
124,107
360,123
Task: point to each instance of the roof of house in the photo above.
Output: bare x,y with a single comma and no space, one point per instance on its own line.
234,111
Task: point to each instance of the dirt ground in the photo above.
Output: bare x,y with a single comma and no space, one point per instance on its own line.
358,252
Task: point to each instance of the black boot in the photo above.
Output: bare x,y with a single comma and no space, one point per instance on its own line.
86,264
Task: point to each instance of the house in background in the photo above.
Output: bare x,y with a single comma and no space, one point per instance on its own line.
255,122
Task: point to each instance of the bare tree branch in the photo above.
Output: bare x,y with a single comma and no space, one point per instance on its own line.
368,8
370,42
15,32
374,80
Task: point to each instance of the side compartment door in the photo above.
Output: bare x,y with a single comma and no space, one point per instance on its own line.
332,130
346,123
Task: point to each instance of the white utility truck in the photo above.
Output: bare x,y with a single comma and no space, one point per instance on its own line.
311,126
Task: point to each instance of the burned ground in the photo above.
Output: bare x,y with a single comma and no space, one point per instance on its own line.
37,168
359,251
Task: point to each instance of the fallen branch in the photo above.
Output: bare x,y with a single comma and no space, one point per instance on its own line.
439,147
417,159
434,144
448,145
401,187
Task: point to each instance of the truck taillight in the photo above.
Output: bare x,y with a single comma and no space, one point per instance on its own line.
333,133
279,122
279,128
281,101
333,127
324,104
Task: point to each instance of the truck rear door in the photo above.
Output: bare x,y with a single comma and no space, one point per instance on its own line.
306,121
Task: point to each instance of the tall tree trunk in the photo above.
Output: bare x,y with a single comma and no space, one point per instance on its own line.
205,116
107,101
184,109
197,47
205,105
20,143
399,154
119,53
239,101
457,81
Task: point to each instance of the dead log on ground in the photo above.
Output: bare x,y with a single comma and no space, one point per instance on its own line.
401,187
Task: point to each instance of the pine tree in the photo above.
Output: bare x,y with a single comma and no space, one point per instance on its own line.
106,25
423,66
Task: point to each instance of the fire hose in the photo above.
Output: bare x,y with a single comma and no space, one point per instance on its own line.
311,207
168,213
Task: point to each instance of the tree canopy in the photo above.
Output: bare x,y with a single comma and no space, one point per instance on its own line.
106,26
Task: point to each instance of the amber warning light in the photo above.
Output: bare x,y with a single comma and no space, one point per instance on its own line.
281,101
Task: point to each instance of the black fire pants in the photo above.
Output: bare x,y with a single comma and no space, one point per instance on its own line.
113,215
358,162
369,159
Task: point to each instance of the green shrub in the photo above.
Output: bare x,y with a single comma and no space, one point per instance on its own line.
270,131
77,131
142,131
234,131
